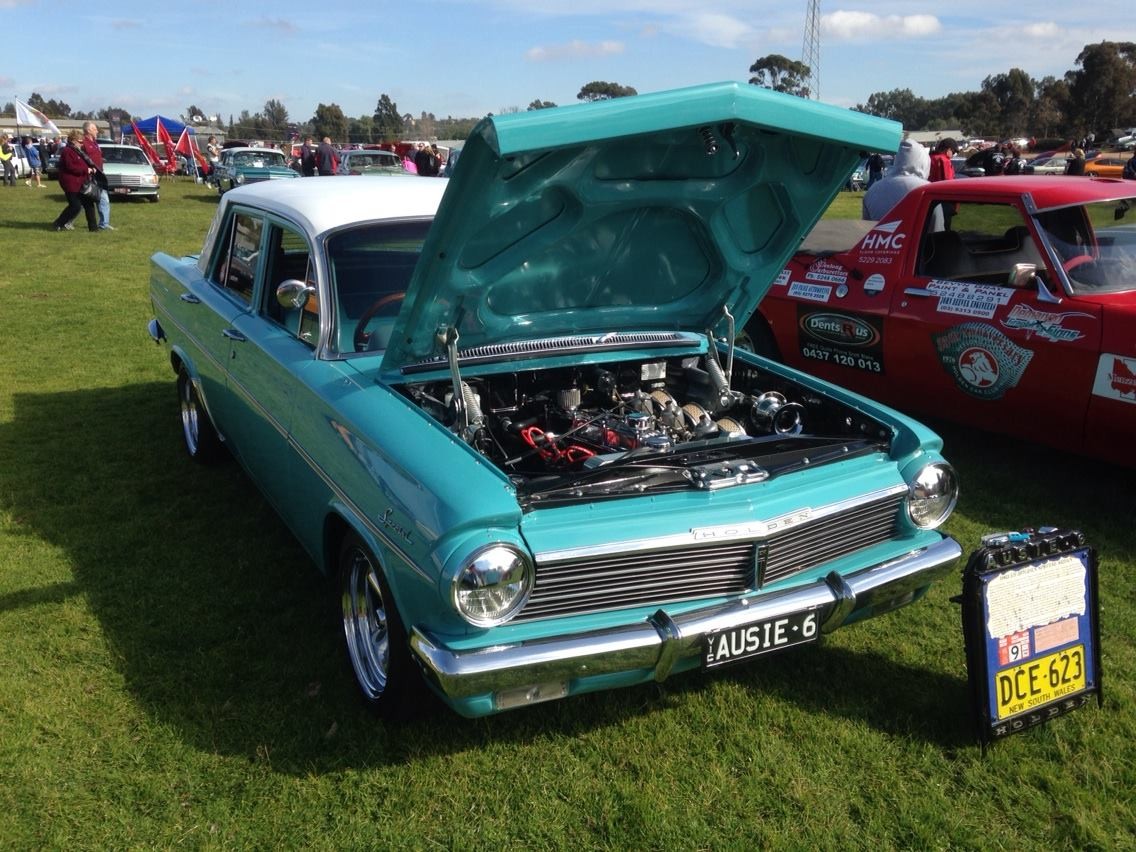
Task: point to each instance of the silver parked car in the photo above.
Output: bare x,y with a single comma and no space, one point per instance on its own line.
367,162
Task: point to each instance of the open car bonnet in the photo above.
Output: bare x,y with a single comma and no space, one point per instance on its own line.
650,212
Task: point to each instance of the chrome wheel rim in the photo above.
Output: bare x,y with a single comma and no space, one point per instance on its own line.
365,623
190,424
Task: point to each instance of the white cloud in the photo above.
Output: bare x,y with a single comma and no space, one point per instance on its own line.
714,29
1042,29
573,50
866,25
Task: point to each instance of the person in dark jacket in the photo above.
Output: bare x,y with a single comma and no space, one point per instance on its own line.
326,161
73,173
308,158
1076,164
427,161
1129,172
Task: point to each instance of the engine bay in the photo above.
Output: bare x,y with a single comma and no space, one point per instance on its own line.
568,425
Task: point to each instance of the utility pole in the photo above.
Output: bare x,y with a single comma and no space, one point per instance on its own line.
810,51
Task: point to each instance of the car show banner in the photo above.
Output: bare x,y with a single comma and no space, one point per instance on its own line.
1029,609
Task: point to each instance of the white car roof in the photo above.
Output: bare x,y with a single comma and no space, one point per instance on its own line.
320,204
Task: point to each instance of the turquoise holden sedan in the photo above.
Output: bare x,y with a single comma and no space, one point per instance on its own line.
506,413
239,166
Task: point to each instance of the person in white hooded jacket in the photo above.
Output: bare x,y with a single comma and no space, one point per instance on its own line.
910,169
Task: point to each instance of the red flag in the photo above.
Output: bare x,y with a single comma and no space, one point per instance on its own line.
183,146
164,138
187,147
145,145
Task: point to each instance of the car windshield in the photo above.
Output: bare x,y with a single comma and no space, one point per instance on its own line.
1096,244
370,268
258,159
130,156
374,161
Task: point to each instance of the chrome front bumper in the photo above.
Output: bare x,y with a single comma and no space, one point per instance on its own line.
660,641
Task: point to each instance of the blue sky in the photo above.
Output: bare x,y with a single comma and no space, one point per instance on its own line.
465,59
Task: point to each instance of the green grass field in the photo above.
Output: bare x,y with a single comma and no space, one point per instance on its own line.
170,674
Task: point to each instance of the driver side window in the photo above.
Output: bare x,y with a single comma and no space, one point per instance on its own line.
981,243
289,258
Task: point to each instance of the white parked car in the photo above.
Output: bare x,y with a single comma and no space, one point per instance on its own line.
129,172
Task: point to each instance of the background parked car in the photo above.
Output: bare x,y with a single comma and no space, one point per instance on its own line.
238,166
129,172
19,159
983,163
370,163
1054,164
451,162
1112,167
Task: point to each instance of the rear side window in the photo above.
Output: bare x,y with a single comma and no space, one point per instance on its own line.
236,268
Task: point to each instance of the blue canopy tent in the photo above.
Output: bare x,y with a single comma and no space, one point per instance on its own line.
150,125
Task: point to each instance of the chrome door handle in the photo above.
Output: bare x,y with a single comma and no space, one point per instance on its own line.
233,334
918,291
189,297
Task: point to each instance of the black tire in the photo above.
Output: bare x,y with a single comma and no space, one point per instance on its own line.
374,636
200,439
153,199
757,337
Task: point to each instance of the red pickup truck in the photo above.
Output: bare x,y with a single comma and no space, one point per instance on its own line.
1005,303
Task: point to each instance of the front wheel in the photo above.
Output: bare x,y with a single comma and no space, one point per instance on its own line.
758,338
374,635
202,443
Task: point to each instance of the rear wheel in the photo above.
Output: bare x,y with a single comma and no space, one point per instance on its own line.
200,438
374,634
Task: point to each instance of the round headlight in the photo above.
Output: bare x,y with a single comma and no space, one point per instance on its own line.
240,178
493,586
932,495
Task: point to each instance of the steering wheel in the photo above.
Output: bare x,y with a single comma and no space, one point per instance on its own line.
361,337
1076,261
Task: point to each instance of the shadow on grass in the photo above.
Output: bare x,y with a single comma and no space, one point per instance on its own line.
223,630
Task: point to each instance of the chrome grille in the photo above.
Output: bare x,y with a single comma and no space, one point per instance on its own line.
114,180
796,550
705,569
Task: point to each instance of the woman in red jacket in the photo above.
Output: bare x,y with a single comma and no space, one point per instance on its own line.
73,173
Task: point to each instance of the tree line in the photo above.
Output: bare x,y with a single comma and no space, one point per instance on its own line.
1097,96
386,124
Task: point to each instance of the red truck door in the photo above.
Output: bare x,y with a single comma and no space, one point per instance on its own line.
968,344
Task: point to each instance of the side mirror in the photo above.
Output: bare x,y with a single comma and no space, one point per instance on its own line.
294,294
1022,275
